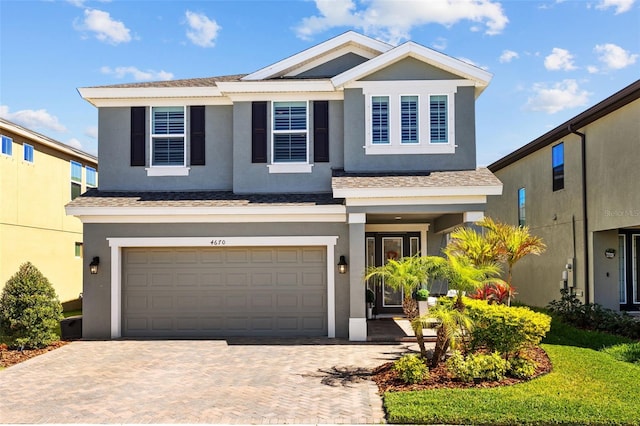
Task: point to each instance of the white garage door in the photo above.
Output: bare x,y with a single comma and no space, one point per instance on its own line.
218,292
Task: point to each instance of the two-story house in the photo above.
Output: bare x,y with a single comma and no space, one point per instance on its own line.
38,177
251,204
576,187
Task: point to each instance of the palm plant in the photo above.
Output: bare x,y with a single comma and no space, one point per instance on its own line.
453,326
408,274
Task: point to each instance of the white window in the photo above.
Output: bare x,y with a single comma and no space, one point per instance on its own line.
168,136
90,174
7,145
290,137
409,117
27,153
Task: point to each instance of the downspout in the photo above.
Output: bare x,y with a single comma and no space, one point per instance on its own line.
585,222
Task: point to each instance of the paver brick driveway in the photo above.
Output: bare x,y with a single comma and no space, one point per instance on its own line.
194,381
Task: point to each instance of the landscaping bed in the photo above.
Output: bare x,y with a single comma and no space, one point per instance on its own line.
9,357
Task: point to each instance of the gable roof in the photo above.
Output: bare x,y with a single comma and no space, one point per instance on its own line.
480,77
607,106
321,52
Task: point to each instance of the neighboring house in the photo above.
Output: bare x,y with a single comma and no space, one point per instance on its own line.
226,203
579,183
38,177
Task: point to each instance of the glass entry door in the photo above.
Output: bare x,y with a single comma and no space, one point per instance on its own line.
629,270
380,248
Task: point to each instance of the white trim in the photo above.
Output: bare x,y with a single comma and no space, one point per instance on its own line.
117,244
287,96
358,329
168,171
290,167
472,216
357,218
224,218
434,191
622,259
96,95
479,77
416,148
331,55
419,201
137,101
350,37
164,169
276,86
635,253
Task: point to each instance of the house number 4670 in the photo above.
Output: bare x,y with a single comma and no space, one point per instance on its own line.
218,242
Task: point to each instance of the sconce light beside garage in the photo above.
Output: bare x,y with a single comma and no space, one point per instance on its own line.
610,253
93,266
342,265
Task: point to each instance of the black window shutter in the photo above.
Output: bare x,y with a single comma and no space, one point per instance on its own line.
138,140
196,136
321,131
259,132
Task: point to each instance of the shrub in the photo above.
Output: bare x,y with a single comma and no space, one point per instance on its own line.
411,369
30,311
506,329
626,352
422,294
477,367
592,316
521,368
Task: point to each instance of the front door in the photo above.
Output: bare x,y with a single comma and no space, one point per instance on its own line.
629,270
380,248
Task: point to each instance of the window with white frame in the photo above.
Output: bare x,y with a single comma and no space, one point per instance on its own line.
409,117
290,134
76,179
7,145
522,206
90,174
27,153
168,136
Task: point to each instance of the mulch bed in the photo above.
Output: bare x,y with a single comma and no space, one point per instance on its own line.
9,357
439,378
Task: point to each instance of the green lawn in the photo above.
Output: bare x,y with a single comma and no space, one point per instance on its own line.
586,387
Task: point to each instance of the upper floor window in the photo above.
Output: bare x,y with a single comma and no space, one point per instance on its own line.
7,145
379,119
290,135
168,136
27,153
90,174
76,179
557,164
409,117
522,215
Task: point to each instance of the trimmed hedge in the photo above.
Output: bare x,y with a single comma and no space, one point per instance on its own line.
505,329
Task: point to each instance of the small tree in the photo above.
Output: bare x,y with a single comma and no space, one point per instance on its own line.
30,311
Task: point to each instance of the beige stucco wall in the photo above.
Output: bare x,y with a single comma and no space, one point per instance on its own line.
33,223
613,176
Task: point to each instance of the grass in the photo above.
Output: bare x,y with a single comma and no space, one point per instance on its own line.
586,387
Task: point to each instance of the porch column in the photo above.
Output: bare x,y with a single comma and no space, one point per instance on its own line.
357,318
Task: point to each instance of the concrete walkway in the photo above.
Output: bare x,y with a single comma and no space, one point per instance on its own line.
199,381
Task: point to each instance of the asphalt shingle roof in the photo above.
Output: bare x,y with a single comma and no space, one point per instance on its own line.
479,177
187,82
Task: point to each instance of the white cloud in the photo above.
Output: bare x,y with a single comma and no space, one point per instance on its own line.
138,75
91,132
614,57
508,56
621,6
385,20
203,31
105,28
559,59
75,143
563,95
592,69
33,119
440,44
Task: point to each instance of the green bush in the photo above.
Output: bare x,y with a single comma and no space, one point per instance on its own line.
592,316
30,311
411,369
422,294
521,368
626,352
505,329
477,367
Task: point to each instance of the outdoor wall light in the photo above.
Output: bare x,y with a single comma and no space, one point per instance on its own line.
93,266
342,265
610,253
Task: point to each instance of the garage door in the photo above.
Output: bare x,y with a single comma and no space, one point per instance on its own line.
218,292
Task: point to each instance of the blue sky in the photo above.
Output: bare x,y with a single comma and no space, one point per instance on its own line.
550,59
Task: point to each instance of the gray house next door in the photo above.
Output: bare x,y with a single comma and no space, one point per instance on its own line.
224,291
